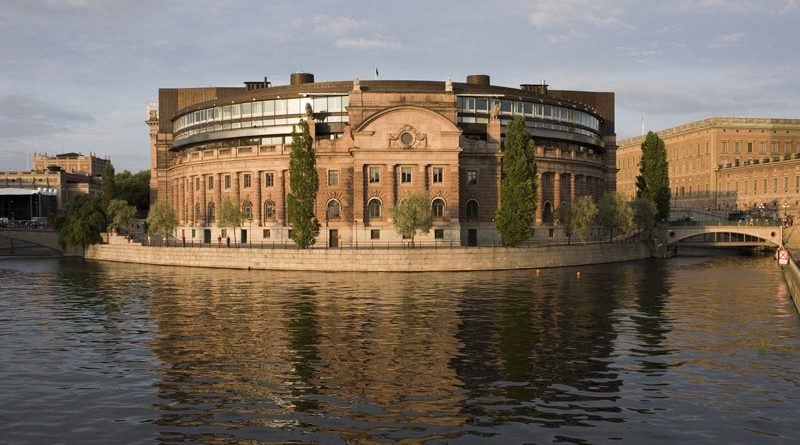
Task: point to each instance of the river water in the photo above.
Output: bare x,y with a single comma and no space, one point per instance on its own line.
688,350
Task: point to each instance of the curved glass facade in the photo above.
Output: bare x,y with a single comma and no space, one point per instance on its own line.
473,109
262,113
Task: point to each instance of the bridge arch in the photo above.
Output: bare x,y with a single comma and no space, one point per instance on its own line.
767,234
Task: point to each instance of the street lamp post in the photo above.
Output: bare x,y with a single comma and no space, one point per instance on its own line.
783,221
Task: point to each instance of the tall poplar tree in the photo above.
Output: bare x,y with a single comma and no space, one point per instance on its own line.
653,179
514,218
304,182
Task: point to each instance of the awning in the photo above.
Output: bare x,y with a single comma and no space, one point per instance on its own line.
11,191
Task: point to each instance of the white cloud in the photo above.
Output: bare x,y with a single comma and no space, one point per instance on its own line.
336,26
567,18
362,43
790,6
724,40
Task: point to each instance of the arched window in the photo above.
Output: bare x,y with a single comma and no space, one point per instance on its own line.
374,208
210,214
333,210
269,210
198,210
472,210
547,213
437,208
247,210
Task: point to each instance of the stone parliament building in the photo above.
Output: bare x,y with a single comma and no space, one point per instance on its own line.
376,142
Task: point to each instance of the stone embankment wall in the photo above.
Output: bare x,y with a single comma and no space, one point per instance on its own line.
366,260
792,275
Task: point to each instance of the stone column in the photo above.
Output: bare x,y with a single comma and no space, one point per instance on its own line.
540,199
192,216
218,191
556,192
280,200
392,179
235,186
203,202
258,206
359,191
182,216
571,188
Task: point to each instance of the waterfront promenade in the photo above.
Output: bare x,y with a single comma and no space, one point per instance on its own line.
419,259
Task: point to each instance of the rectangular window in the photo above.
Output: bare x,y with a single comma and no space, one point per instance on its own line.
774,148
750,147
333,177
246,181
227,181
374,234
736,146
775,185
755,185
785,184
438,175
374,175
269,179
438,233
266,234
472,177
405,175
224,233
765,185
787,148
211,183
762,147
193,233
724,146
197,183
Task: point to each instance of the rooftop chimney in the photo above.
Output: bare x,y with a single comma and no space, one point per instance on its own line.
478,79
301,78
535,88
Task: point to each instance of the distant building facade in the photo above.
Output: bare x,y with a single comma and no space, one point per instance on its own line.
724,163
61,177
376,142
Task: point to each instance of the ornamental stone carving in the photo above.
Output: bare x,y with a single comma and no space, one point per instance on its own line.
407,137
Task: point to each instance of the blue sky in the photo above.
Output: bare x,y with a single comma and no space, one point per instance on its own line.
76,74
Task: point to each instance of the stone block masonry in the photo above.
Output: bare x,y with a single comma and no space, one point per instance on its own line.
371,260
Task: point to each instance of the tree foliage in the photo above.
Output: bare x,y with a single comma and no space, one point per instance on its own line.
134,188
653,179
162,220
81,222
644,213
615,215
577,217
413,215
231,215
514,218
304,183
108,186
120,214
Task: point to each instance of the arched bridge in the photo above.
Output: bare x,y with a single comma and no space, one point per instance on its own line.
737,234
18,241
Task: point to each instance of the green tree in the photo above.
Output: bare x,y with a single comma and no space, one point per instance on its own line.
134,189
231,215
514,218
108,186
615,215
120,215
413,214
304,182
577,217
644,213
81,222
653,179
162,220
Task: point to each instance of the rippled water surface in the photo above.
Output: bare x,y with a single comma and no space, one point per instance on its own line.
690,350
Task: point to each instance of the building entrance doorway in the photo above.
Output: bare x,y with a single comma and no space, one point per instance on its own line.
472,237
333,238
244,236
207,236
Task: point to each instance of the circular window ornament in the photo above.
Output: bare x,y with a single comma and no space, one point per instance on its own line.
407,139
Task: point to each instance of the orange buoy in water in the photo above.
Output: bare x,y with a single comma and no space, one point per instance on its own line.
578,275
538,272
